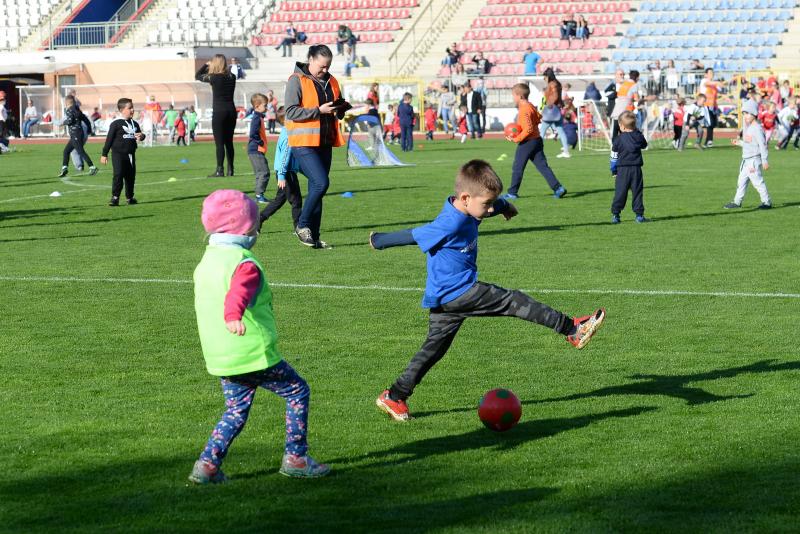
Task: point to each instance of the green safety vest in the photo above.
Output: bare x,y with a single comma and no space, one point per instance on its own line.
227,354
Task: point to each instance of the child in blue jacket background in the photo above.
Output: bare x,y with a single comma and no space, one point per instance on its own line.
286,169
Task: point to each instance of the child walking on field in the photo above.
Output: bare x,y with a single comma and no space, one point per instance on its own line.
626,167
233,303
754,158
286,169
452,290
257,146
121,140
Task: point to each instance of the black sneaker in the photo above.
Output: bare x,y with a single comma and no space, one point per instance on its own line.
304,235
132,201
114,201
765,206
731,206
64,171
92,170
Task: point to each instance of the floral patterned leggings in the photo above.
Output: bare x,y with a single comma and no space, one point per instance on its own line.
240,390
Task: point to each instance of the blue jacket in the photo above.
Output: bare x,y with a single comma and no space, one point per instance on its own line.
284,161
626,150
255,140
406,114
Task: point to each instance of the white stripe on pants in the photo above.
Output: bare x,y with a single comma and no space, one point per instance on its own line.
750,171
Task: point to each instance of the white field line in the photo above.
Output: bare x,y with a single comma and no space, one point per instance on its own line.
632,292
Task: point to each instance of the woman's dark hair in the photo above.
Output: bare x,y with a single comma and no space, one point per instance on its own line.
549,74
319,50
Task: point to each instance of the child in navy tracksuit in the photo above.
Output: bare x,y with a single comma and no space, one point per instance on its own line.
257,145
626,166
74,120
452,289
406,114
286,169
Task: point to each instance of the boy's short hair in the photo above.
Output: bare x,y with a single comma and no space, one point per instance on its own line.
407,96
634,75
390,106
370,102
477,177
522,90
701,95
627,120
681,102
280,115
69,100
123,103
257,99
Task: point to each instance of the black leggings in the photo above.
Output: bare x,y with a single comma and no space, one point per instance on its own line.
223,123
75,144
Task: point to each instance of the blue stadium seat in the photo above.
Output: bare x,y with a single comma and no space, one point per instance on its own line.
772,40
609,68
744,40
749,4
752,53
765,53
704,16
784,15
646,6
758,15
617,56
726,53
645,30
738,53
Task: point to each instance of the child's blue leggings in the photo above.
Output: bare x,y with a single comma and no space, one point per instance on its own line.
239,393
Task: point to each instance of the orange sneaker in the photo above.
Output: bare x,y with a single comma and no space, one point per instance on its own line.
586,328
397,409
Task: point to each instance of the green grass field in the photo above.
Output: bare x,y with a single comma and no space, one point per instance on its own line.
681,415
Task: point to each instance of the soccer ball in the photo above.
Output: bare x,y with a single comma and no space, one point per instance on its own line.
499,409
512,129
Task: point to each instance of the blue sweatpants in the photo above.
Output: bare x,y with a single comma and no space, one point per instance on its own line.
315,163
240,390
531,150
407,138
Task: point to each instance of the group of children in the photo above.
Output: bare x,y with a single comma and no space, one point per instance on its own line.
181,124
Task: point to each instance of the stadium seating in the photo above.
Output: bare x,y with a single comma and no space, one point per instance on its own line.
725,34
20,18
373,21
505,28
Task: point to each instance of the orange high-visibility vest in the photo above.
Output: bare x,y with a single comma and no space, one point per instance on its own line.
262,133
307,132
622,91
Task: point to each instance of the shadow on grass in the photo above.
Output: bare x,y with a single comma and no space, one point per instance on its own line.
485,438
677,386
588,192
154,495
556,227
56,238
38,212
89,221
23,183
173,199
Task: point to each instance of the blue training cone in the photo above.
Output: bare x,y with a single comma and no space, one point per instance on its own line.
184,160
347,194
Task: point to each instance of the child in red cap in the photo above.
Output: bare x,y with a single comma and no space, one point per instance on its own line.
237,330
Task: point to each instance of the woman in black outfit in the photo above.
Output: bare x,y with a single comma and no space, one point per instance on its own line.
223,117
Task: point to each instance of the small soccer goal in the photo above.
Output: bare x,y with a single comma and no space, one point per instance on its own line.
365,146
595,127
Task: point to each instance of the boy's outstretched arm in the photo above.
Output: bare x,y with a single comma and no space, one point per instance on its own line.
382,240
505,208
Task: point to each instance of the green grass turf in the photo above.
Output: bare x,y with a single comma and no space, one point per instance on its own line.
681,415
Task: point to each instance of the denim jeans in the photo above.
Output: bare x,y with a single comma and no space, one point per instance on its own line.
446,118
26,127
315,163
544,126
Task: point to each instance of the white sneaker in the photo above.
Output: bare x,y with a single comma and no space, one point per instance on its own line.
564,154
463,138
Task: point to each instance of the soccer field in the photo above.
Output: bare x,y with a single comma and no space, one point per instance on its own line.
680,415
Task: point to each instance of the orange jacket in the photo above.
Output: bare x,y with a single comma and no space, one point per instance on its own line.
528,119
307,132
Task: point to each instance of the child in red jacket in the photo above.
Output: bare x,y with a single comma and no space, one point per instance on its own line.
430,121
768,119
677,122
180,129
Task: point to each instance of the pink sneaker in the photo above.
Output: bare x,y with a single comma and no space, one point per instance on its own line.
206,473
302,467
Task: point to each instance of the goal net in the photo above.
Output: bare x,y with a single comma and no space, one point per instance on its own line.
365,146
655,120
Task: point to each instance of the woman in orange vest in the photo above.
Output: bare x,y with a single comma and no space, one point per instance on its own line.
314,105
627,97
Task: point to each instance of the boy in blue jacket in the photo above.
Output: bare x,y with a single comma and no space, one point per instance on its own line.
452,289
286,169
626,166
405,111
257,146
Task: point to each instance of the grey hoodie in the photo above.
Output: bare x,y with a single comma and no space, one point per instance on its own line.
296,112
754,143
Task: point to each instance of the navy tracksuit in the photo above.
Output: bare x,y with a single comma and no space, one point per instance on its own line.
626,164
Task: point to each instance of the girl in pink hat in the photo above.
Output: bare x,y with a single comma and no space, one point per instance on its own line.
239,338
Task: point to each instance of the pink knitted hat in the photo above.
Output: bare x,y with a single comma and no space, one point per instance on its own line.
228,211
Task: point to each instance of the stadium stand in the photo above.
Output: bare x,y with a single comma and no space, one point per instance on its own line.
726,34
21,18
373,21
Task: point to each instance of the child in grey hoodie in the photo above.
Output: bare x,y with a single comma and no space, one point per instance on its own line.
754,158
